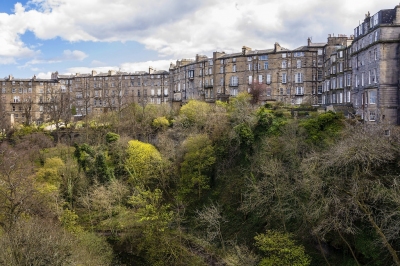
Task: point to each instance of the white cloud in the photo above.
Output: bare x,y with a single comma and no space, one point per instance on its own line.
180,28
125,67
74,55
67,55
44,75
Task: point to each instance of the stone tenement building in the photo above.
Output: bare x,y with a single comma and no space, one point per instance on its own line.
359,72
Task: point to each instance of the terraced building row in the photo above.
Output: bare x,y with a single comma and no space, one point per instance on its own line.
358,74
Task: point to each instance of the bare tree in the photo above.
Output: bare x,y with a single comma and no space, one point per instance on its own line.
210,216
16,186
26,105
58,106
348,184
256,91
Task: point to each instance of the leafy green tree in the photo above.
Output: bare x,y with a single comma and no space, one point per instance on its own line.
197,165
161,123
194,113
111,137
280,250
51,171
143,162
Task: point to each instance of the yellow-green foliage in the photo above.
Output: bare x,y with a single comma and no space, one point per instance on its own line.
50,172
197,164
143,161
281,250
196,113
69,220
161,122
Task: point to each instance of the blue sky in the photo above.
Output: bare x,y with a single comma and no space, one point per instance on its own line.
70,36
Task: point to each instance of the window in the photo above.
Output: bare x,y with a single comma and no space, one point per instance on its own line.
210,62
16,99
362,79
3,90
13,90
299,91
234,81
263,57
341,67
372,97
152,92
298,63
221,61
298,54
249,67
376,19
249,58
209,71
319,51
340,97
283,77
298,77
260,78
221,82
268,78
348,79
284,55
234,92
372,115
268,92
348,96
319,75
376,36
369,77
340,82
250,79
319,89
283,64
234,59
234,68
265,65
221,69
376,54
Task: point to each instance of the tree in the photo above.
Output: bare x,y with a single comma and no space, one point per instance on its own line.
353,186
57,106
211,217
194,114
17,192
39,242
143,162
256,91
197,165
27,104
280,250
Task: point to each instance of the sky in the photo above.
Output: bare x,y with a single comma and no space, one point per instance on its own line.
38,37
